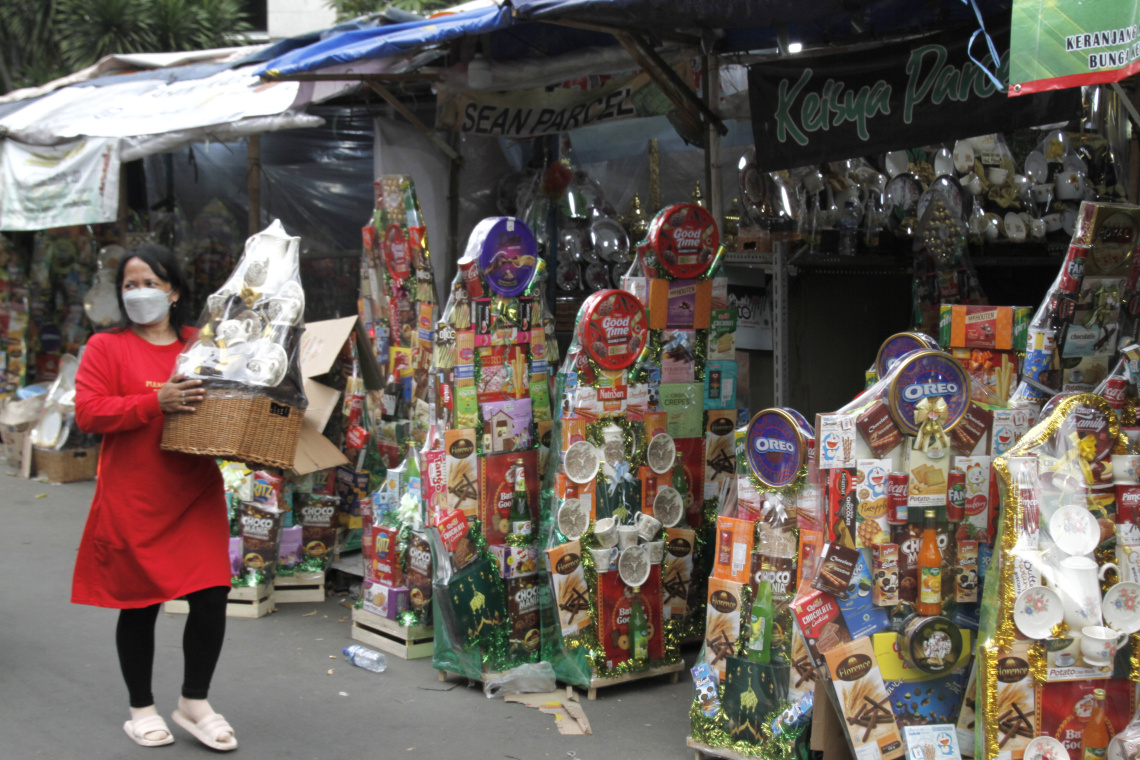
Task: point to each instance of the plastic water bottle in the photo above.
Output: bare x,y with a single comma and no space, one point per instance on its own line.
363,657
848,229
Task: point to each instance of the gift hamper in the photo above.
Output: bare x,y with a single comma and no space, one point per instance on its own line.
246,354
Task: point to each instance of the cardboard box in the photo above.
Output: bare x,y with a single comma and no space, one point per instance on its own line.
860,692
963,326
321,343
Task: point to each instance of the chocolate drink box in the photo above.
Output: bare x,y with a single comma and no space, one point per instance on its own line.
418,577
522,616
862,700
496,490
614,600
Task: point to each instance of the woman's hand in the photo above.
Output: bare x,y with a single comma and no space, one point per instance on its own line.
178,393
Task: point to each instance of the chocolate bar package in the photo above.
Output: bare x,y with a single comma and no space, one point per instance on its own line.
801,679
836,435
836,568
973,430
568,581
842,503
677,572
878,429
862,700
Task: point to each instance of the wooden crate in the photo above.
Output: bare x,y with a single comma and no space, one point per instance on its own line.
407,642
601,682
302,587
244,602
702,750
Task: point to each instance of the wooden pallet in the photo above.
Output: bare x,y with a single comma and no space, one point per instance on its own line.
244,602
302,587
601,682
407,642
702,750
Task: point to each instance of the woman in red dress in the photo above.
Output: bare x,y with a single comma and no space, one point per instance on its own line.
158,527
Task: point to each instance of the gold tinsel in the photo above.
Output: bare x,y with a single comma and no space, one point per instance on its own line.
1038,665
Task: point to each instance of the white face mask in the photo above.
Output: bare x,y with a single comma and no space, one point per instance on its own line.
146,306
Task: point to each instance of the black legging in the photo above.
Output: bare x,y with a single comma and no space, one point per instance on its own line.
201,645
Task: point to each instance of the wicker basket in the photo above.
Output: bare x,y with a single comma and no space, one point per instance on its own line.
67,466
252,429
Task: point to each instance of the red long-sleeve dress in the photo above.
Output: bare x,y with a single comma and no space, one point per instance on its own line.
158,527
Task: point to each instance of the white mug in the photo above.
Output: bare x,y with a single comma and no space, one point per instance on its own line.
626,536
606,531
604,559
647,526
656,551
1068,185
1078,585
1100,644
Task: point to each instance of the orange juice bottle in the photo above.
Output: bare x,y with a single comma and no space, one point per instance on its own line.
1094,739
929,570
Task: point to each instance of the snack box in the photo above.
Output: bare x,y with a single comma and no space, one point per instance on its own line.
970,326
863,701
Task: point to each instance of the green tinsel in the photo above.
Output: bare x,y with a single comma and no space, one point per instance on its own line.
358,604
409,619
710,731
519,539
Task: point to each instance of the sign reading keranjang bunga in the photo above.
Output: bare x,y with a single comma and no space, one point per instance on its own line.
806,110
1057,44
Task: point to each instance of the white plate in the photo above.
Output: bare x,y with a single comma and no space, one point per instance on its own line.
581,462
1074,530
668,506
661,453
573,518
1046,748
1036,167
1036,611
963,157
896,162
634,565
1122,607
50,427
943,163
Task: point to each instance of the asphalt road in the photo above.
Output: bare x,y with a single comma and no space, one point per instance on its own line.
62,697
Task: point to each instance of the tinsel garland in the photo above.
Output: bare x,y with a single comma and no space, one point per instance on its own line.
710,731
790,490
700,354
712,271
494,645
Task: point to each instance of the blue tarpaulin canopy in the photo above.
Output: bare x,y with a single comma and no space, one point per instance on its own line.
388,41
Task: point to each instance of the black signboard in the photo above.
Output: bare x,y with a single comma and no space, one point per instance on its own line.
902,95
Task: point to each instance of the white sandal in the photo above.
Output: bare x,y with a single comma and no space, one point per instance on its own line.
138,729
208,730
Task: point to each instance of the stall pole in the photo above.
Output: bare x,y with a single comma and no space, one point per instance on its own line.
780,326
254,188
711,86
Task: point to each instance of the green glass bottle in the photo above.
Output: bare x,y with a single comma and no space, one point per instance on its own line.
638,630
760,629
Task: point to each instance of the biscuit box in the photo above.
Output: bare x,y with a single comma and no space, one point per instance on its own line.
820,623
722,622
871,526
862,700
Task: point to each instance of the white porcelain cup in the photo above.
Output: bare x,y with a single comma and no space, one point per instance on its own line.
1037,228
606,531
647,526
656,551
1129,562
1043,193
1078,585
604,558
997,176
1068,185
1099,644
973,184
626,536
1053,222
1126,469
